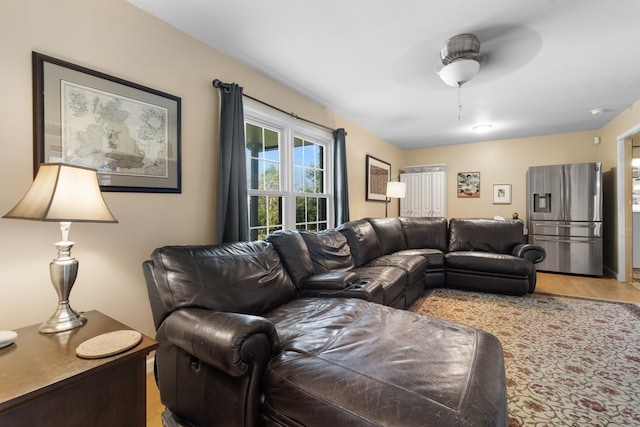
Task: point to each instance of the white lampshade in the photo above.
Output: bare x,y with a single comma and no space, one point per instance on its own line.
396,189
459,72
62,192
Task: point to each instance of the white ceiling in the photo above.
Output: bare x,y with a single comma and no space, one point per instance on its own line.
546,64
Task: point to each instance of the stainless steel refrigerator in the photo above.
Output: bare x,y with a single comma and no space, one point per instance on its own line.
564,216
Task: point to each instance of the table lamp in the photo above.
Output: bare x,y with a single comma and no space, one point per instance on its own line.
63,193
395,189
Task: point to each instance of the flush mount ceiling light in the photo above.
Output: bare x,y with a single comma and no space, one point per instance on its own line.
599,111
482,128
459,55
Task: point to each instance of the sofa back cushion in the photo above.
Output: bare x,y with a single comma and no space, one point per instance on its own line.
362,240
328,250
389,233
294,254
241,277
425,232
486,235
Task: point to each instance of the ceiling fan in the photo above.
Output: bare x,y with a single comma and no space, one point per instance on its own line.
459,59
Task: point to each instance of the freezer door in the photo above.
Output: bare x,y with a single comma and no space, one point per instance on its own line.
583,192
574,255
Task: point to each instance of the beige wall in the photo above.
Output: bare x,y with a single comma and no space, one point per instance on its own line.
115,37
502,162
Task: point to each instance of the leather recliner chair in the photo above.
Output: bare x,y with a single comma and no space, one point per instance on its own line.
491,255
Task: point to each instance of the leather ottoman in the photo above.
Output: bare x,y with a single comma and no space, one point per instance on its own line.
354,363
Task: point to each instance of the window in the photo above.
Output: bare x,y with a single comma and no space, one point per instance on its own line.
289,172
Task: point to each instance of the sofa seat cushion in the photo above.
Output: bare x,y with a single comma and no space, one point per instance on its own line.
392,279
350,362
435,257
489,263
414,265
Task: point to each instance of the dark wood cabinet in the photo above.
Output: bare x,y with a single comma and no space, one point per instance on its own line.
44,383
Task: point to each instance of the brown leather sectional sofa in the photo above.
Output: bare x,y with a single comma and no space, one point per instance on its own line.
393,260
467,253
267,332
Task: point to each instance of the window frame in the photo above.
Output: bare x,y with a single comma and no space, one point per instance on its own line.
289,127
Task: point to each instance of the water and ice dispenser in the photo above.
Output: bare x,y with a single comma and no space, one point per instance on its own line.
542,202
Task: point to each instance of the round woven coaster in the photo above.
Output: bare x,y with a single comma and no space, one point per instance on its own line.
108,344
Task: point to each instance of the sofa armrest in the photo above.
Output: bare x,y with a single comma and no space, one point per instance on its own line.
336,280
222,340
533,253
369,290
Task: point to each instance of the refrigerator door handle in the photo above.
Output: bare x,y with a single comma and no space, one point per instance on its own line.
542,239
541,224
563,189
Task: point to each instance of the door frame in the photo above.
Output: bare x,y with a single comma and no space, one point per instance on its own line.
623,205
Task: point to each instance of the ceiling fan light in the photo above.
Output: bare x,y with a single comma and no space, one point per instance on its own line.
459,72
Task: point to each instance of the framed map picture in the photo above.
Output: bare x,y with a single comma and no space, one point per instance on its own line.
129,133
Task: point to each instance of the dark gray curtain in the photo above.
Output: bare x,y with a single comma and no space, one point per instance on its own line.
232,213
340,185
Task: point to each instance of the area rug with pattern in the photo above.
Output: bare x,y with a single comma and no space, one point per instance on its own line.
569,361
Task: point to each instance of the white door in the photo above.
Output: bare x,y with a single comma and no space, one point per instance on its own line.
411,204
426,203
426,194
439,193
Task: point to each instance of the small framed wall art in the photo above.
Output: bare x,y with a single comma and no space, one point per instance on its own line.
378,173
501,194
469,185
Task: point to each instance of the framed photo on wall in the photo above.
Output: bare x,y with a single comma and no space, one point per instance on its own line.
129,133
378,173
501,194
469,185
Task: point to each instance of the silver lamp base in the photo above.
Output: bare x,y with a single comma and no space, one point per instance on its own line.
63,271
63,319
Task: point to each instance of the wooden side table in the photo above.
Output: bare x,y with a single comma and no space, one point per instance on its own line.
44,383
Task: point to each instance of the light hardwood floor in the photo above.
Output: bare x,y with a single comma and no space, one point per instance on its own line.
559,284
154,407
589,287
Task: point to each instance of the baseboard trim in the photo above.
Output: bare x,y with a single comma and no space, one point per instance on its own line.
610,273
